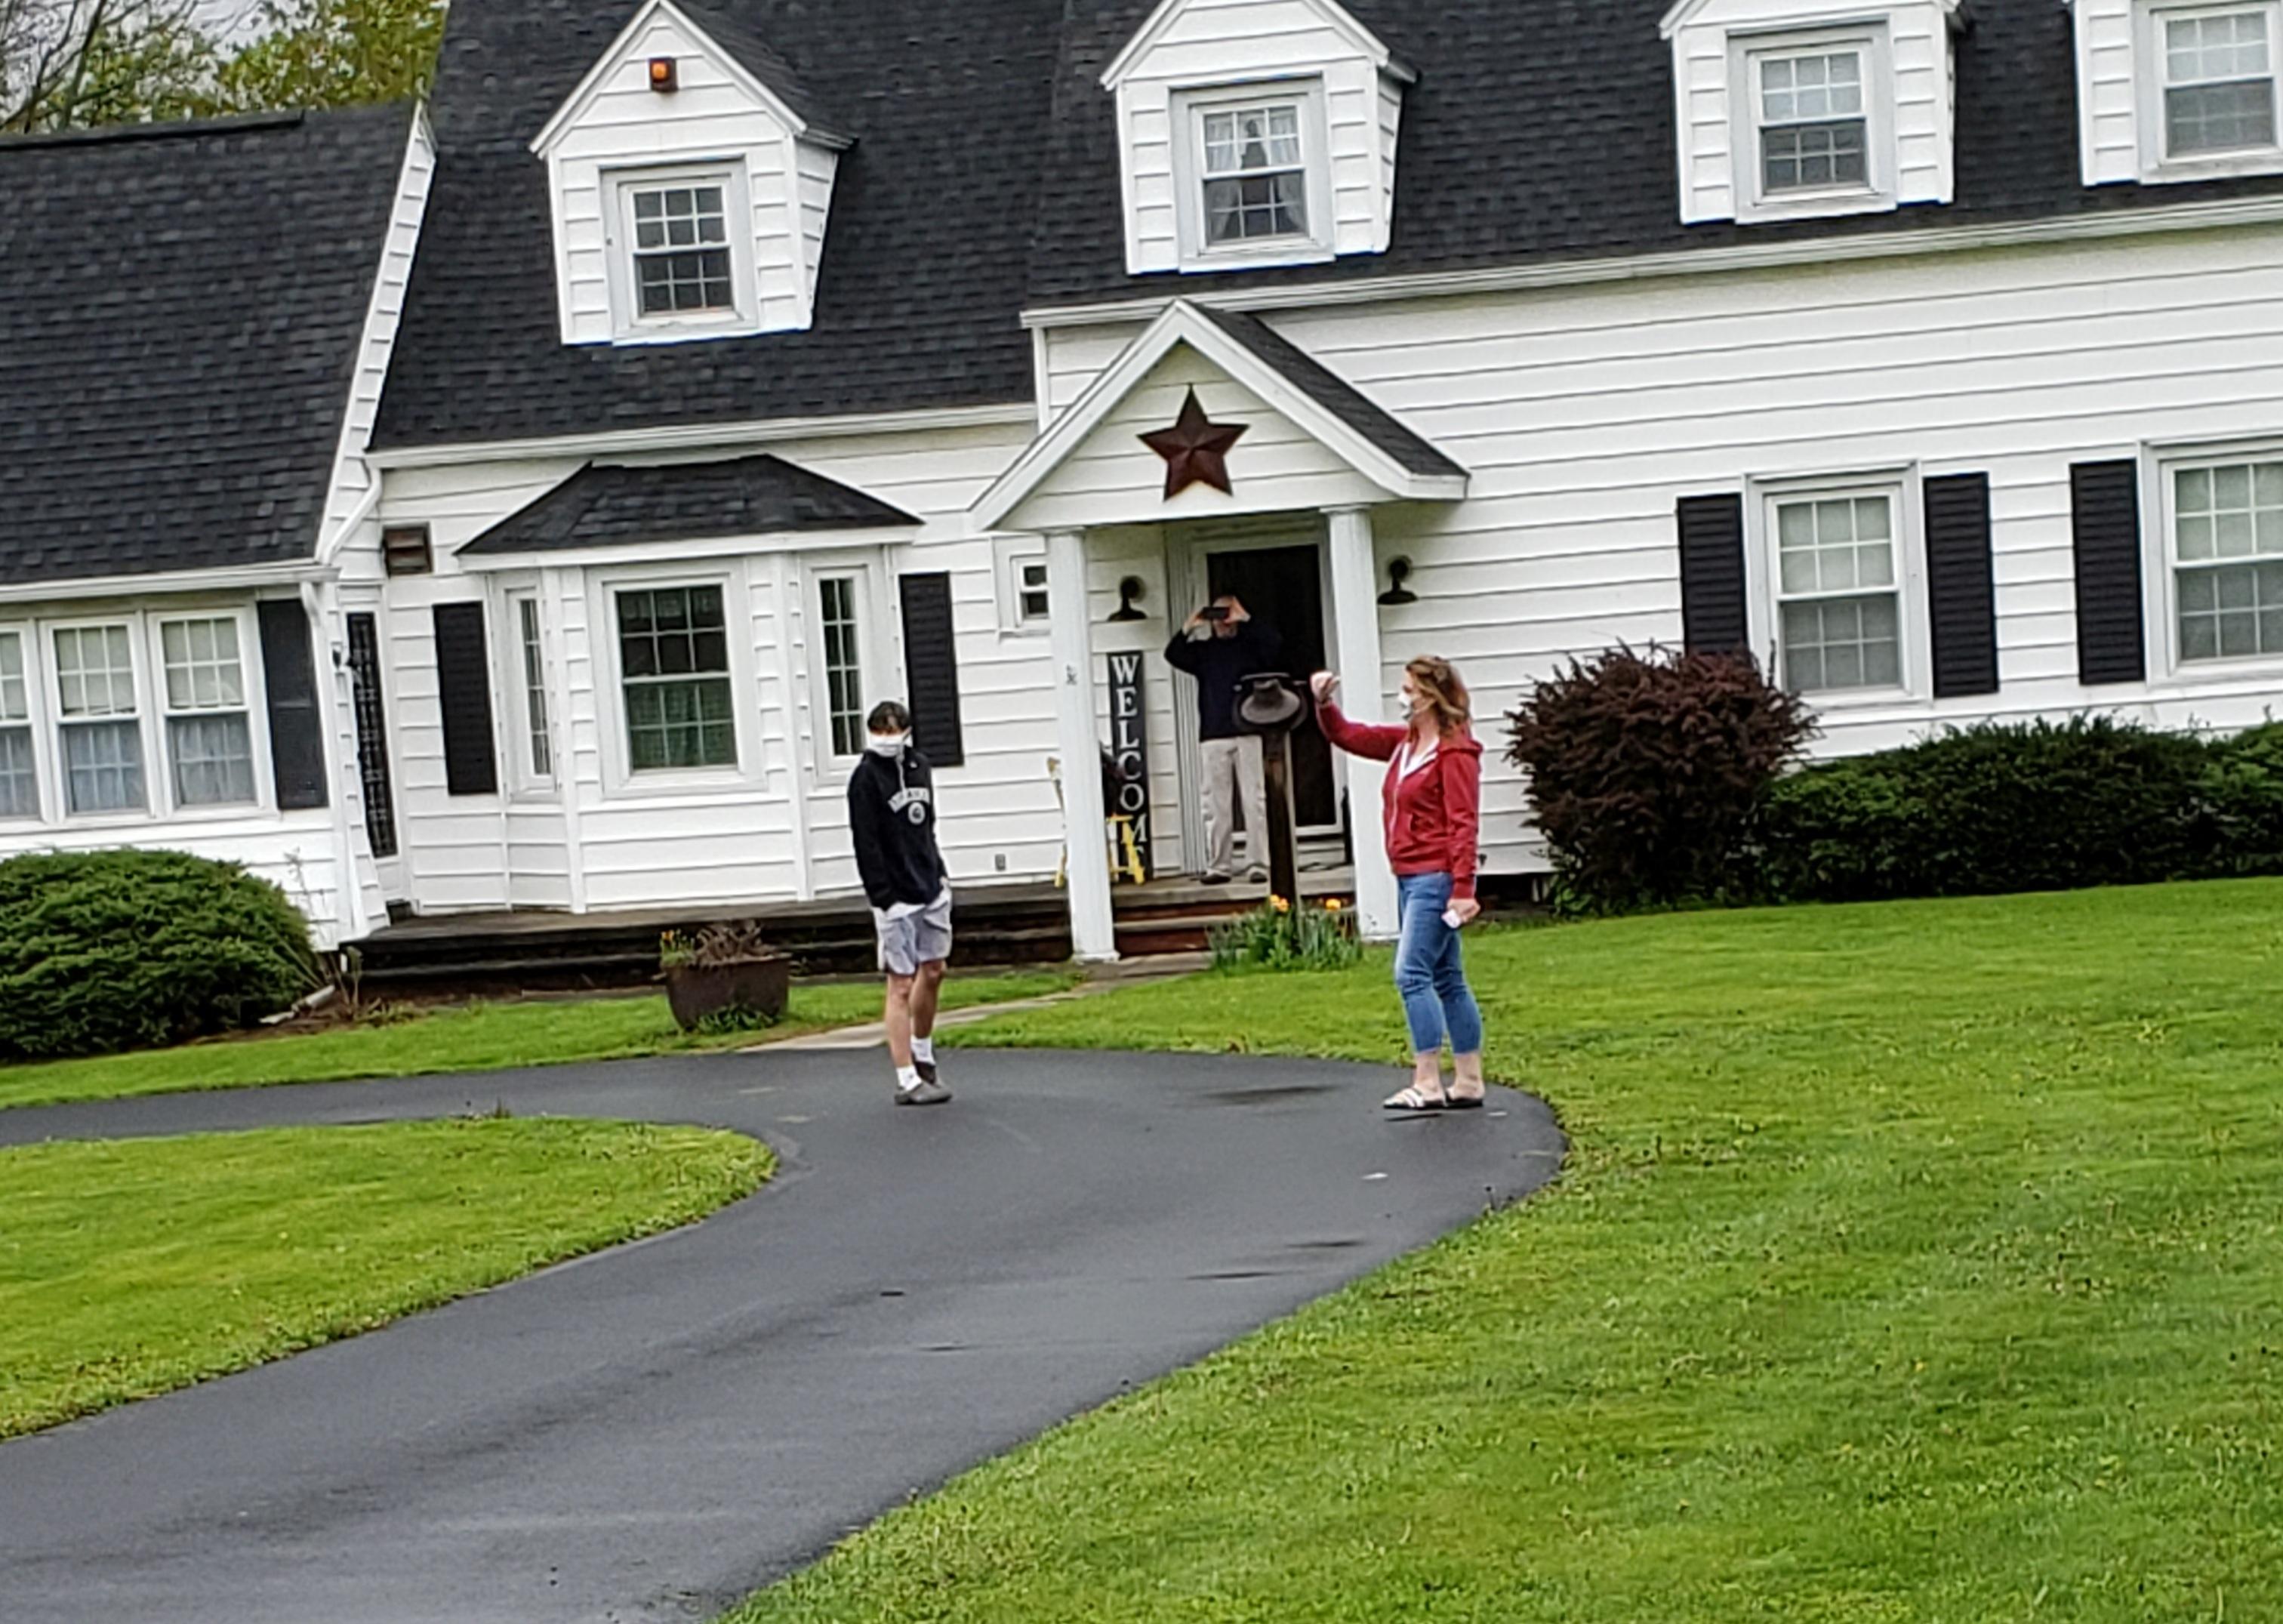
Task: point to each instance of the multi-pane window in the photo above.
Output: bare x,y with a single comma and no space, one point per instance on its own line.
1836,580
1031,598
1256,175
534,688
2219,82
673,665
681,249
209,739
843,662
101,729
2227,525
19,784
1813,131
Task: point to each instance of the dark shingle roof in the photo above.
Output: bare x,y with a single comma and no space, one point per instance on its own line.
1333,392
764,61
922,273
609,506
985,178
1542,130
180,313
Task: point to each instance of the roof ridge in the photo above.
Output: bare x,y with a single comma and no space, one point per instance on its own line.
160,130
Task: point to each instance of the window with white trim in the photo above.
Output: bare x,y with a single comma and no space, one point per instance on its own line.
209,729
840,615
1032,601
1838,594
100,720
2227,559
2218,76
19,779
682,250
1814,127
539,749
1255,173
673,673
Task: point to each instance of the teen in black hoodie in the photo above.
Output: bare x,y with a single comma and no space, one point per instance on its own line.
892,814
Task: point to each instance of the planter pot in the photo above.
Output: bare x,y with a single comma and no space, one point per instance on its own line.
755,985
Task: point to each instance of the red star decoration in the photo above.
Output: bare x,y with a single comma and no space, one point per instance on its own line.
1196,450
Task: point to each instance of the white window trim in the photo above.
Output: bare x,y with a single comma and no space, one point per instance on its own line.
526,781
1188,109
882,671
628,324
621,781
257,712
2161,591
1754,202
46,801
154,800
1010,554
1902,487
2149,56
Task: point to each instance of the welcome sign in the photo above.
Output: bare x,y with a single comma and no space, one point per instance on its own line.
1129,749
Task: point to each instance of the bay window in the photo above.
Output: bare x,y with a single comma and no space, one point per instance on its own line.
100,725
674,670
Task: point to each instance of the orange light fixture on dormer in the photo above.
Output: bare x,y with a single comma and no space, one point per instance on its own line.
662,75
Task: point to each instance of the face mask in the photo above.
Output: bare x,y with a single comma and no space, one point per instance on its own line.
890,744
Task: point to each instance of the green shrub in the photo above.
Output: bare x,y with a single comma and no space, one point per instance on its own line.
1645,769
2035,807
101,951
1279,936
2243,790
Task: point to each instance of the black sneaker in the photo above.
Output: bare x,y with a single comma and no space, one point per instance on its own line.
926,1069
925,1094
1213,880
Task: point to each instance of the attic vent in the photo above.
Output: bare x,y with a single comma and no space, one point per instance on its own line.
405,550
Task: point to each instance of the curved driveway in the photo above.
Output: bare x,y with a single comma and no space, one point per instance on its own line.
650,1432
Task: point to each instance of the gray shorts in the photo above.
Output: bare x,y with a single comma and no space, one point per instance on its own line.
922,938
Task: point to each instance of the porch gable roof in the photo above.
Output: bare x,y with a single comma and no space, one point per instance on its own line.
625,505
1325,407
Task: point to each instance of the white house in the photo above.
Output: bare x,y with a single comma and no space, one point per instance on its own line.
761,360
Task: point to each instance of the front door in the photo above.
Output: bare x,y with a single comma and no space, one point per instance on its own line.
1283,587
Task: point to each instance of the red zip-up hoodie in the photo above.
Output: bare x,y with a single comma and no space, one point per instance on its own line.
1433,804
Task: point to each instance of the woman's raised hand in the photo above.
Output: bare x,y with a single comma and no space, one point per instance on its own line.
1322,685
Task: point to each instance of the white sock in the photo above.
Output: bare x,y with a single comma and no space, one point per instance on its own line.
908,1078
923,1051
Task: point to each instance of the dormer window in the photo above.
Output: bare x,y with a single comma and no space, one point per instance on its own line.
681,249
2219,82
1256,176
1813,134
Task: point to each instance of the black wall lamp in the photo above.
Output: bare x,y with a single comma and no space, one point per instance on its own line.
1399,571
1131,592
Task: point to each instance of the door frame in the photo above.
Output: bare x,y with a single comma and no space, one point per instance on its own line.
1187,548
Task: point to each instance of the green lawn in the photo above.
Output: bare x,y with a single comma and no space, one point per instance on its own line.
132,1267
484,1037
1918,1263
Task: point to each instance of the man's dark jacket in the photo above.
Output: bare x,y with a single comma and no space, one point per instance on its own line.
1219,664
891,813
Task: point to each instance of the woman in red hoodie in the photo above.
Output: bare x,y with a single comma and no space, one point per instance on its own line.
1433,801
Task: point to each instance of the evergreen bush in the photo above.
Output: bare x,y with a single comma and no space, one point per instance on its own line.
102,951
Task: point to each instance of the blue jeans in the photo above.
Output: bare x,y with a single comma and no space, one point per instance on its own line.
1437,1000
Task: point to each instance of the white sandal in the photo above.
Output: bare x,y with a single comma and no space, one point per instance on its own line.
1412,1100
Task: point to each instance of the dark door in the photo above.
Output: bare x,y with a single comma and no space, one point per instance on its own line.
1283,587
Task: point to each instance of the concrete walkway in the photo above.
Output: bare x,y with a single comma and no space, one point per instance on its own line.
648,1433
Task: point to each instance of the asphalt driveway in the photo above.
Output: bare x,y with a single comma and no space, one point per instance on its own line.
652,1432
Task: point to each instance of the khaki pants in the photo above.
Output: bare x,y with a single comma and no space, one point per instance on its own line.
1231,765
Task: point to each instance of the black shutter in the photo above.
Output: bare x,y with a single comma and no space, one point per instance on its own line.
1961,600
464,691
2105,513
297,723
372,735
1712,574
931,665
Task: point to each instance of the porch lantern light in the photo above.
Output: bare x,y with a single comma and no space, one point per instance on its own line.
1131,592
1399,571
665,77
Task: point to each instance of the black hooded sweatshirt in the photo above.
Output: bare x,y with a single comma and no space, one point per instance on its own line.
891,812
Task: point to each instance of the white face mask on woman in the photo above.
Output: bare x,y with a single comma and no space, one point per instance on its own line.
889,745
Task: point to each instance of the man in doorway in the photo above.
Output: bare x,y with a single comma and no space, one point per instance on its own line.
891,812
1220,645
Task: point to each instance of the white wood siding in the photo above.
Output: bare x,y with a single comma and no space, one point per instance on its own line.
779,831
1211,43
1717,151
2107,94
713,118
1583,416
